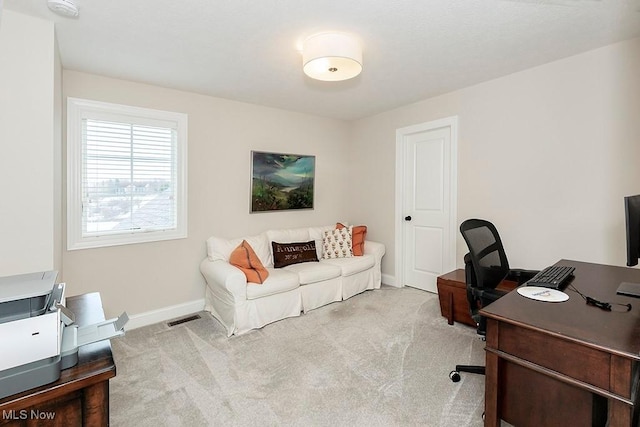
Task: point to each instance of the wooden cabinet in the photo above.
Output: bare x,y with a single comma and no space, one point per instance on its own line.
81,396
452,292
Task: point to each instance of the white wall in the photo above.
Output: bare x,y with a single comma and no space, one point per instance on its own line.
547,154
27,134
582,109
144,277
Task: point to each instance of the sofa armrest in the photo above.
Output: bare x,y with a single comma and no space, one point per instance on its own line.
374,248
224,277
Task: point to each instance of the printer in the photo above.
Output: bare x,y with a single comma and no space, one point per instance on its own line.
38,335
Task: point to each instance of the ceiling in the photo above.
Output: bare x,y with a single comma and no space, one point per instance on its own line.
247,50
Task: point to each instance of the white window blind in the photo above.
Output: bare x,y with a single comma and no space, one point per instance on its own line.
130,176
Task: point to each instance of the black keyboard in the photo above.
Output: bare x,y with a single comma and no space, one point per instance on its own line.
554,277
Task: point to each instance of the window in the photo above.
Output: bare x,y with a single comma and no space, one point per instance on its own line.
126,174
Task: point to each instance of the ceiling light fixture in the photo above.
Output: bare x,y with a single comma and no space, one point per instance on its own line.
331,57
63,7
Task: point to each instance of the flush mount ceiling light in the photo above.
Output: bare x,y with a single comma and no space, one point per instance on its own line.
63,7
331,57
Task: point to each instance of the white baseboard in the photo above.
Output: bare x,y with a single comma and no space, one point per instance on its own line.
165,313
390,280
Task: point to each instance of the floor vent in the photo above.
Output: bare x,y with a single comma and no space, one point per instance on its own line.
183,320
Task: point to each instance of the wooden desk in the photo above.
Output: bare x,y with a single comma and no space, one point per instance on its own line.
554,364
81,395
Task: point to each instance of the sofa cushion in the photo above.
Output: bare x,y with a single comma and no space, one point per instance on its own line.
246,260
293,253
288,235
219,248
279,280
315,272
353,265
336,243
315,233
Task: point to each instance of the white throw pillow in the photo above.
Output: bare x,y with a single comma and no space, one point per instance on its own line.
337,243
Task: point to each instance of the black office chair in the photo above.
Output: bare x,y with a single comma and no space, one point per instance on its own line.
486,266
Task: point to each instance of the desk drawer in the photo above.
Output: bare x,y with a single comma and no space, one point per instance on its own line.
565,357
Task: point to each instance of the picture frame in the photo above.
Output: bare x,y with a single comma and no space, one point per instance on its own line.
281,181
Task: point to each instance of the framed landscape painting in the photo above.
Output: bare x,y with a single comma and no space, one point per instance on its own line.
281,181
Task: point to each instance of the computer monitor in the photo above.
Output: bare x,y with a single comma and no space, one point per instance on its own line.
632,217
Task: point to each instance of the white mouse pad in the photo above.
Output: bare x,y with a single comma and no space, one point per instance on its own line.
542,294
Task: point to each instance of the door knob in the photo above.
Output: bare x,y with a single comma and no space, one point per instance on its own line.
407,218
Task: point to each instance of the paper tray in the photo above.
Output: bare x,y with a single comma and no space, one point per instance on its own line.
88,334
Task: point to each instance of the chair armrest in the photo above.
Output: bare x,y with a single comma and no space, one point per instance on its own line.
224,277
488,296
519,275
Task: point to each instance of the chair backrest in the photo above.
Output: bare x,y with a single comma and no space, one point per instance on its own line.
487,254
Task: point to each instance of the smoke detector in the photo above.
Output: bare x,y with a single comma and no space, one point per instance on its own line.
63,7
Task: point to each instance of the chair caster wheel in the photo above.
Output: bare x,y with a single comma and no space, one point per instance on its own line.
454,376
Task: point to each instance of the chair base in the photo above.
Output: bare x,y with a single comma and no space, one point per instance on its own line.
473,369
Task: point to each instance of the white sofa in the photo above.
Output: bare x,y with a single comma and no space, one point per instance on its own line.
287,291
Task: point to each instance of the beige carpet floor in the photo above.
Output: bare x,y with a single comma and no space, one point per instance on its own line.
381,358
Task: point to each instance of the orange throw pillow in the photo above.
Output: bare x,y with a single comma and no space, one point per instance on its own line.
358,236
246,260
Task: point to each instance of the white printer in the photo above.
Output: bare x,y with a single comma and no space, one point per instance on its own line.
38,334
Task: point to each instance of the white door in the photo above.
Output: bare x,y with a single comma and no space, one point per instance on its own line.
426,208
